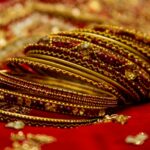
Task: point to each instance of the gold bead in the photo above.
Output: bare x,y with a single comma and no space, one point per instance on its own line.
130,75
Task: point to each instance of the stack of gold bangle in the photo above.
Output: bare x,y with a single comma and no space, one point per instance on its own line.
82,74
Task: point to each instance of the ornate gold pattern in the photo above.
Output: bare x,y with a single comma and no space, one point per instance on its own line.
86,74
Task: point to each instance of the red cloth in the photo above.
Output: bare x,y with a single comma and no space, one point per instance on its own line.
104,136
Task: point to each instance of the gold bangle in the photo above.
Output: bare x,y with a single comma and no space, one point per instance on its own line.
82,58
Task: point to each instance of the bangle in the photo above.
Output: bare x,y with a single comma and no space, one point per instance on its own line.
84,73
43,121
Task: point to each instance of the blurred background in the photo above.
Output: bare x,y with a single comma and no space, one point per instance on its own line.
25,21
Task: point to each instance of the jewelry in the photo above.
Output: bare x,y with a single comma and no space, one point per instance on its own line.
84,74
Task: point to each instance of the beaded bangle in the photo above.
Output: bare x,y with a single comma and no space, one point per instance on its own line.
43,121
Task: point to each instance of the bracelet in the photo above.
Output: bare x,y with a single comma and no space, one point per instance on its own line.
43,121
85,74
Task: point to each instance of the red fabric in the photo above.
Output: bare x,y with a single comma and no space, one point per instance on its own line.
104,136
